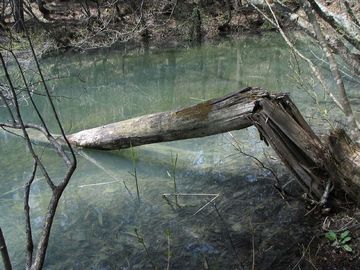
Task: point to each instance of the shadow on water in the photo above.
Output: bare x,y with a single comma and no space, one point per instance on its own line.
97,217
95,224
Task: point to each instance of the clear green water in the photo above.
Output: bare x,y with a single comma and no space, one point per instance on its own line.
95,221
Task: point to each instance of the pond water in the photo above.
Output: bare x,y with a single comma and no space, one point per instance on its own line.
99,212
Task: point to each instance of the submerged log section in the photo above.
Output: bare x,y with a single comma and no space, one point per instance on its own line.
319,167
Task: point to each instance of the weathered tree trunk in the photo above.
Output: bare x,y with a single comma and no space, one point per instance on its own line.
319,167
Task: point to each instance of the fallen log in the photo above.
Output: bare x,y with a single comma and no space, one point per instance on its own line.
211,117
319,167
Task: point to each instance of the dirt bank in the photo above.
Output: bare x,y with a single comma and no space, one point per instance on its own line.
79,26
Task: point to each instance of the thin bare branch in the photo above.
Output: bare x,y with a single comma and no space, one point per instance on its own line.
7,107
305,251
237,147
313,68
173,9
22,126
29,239
4,252
52,105
335,43
29,93
333,66
205,205
351,34
237,257
57,190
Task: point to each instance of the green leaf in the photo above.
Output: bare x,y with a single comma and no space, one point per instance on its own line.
344,234
347,248
331,235
345,240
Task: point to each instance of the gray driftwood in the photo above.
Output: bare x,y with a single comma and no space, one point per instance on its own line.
211,117
319,167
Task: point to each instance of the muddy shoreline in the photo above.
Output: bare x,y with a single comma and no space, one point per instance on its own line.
68,29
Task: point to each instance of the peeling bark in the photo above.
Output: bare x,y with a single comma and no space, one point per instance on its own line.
314,163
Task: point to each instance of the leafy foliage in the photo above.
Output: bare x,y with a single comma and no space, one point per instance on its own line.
340,240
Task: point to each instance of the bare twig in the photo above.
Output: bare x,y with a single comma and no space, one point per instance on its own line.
345,71
201,208
36,262
344,29
305,251
141,19
229,237
4,252
142,242
333,67
173,9
7,107
29,239
313,68
174,163
168,235
29,93
134,172
190,194
214,195
237,147
277,184
108,172
51,102
22,126
252,245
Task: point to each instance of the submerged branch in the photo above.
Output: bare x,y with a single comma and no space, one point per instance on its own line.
4,252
